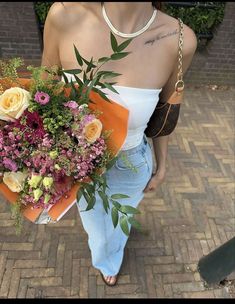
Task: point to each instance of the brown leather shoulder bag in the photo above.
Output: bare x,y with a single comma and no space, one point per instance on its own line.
165,116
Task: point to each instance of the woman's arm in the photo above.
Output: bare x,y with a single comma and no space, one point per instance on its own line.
160,144
51,34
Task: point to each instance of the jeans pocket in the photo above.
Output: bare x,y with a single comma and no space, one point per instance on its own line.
126,162
135,159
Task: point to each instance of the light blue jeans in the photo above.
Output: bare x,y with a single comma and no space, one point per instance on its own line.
107,243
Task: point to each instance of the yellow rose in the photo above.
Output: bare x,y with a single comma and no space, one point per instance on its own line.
13,102
14,180
93,130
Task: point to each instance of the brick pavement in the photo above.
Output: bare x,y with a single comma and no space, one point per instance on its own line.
191,214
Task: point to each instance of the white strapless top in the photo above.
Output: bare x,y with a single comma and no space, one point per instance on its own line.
140,103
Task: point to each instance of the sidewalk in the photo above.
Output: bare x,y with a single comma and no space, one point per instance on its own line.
190,215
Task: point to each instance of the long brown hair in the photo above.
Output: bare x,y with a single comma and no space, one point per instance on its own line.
158,5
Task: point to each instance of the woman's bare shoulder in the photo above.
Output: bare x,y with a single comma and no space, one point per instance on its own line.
61,14
171,25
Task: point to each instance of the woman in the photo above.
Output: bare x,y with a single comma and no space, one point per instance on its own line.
148,75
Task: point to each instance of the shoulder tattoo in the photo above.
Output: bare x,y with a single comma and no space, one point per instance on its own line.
161,37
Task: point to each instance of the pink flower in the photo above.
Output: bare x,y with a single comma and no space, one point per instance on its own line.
42,98
10,164
71,104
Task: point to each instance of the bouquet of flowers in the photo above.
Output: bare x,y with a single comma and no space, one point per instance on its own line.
53,145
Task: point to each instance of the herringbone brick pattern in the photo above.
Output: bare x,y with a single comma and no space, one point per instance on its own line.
190,215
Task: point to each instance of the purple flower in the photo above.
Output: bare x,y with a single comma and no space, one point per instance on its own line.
10,164
71,104
42,98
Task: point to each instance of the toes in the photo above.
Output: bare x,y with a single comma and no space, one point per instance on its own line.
107,278
112,280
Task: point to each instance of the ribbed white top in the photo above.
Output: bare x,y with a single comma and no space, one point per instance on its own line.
140,102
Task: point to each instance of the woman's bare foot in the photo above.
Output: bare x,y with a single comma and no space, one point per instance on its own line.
109,280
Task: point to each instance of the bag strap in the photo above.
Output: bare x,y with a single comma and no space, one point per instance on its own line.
179,86
177,95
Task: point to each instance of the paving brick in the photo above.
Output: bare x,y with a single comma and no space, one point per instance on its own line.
75,281
6,280
48,281
67,273
169,268
177,277
188,287
37,272
17,246
83,291
150,282
199,294
30,263
56,292
168,291
92,287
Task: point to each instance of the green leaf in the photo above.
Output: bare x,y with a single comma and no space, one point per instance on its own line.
116,204
110,164
84,78
78,81
90,87
134,223
90,66
65,78
102,94
90,188
105,200
78,56
90,199
103,59
124,224
104,182
129,209
73,90
91,75
79,195
101,84
119,196
103,72
111,74
123,45
85,194
91,203
74,71
115,216
97,177
117,56
108,86
87,62
114,43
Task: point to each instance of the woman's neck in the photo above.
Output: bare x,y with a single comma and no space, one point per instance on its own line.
128,17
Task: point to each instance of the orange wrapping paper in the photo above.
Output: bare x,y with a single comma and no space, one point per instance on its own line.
114,117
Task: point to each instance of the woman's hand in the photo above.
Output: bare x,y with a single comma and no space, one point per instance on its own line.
155,181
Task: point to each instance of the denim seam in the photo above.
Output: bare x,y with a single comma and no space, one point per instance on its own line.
106,243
